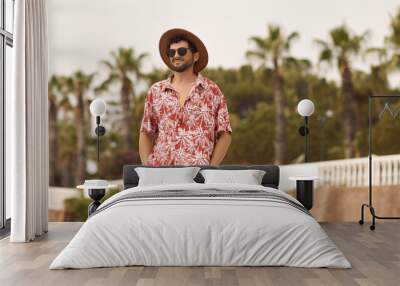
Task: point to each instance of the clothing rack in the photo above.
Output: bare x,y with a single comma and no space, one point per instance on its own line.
370,205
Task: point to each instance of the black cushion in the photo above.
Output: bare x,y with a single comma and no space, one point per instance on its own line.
270,179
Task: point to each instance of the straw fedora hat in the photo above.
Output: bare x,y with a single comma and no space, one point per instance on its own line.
201,48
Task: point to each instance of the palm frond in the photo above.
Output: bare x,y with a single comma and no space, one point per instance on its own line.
325,55
256,54
112,77
292,37
274,32
259,42
107,64
380,52
321,43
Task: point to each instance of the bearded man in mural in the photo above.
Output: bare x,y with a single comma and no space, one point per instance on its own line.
185,119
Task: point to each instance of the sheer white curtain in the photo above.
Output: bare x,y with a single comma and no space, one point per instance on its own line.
27,123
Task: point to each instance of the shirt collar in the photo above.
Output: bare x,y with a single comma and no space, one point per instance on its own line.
200,82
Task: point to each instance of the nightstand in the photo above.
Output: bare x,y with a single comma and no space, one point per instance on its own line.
96,193
304,189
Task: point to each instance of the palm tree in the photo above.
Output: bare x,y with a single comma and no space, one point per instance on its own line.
388,57
378,77
58,100
77,85
272,51
342,46
156,75
393,42
54,87
124,68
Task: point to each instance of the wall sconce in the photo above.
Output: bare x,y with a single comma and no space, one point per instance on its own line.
98,108
305,108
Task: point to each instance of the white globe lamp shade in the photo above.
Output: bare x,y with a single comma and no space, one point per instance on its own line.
305,107
98,107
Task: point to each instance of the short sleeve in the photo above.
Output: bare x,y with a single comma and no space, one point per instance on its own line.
222,115
149,120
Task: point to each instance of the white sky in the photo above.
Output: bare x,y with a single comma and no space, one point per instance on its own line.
82,32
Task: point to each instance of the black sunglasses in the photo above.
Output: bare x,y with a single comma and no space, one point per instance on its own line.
181,52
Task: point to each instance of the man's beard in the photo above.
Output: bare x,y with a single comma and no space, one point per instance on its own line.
183,67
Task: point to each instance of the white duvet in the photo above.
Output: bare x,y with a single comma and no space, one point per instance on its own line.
200,231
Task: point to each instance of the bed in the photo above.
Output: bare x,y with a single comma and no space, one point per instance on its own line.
198,224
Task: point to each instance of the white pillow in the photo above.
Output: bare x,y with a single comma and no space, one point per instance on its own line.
249,177
162,176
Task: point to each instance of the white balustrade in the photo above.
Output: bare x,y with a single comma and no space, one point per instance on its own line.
348,172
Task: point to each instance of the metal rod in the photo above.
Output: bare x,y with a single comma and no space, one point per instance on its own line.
98,141
384,96
370,148
306,139
98,149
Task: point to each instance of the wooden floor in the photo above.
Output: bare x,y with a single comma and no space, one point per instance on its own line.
375,257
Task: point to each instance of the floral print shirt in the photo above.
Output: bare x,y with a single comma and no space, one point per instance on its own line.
184,135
